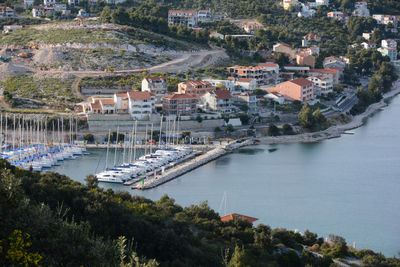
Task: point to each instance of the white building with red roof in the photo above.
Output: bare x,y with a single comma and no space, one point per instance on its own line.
141,105
156,85
217,101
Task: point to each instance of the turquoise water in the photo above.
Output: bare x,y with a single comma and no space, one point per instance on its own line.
349,186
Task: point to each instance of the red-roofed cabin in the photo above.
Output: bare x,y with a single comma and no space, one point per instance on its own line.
232,216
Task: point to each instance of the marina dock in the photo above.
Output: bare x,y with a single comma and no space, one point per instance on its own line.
190,164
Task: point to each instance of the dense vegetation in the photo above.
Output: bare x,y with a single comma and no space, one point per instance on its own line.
52,220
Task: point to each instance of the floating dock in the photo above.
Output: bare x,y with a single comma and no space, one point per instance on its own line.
190,164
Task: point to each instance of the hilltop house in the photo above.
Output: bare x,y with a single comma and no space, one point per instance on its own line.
156,85
189,18
389,48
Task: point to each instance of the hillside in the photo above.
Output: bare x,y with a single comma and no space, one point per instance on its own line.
61,222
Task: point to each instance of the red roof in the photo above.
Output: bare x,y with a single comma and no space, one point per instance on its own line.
301,81
325,71
107,101
244,80
96,105
121,95
139,95
180,96
268,64
231,216
222,94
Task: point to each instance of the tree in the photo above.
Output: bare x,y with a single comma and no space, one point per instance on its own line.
244,108
273,130
318,118
229,128
238,257
244,119
306,117
91,181
18,254
88,137
287,129
199,119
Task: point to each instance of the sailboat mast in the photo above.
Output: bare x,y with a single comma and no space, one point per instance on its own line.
134,145
116,146
108,147
159,137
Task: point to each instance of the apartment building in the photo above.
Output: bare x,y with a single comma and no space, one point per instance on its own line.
197,88
204,16
156,85
322,84
389,48
247,99
305,59
6,12
217,101
141,105
179,104
298,89
334,73
189,18
264,73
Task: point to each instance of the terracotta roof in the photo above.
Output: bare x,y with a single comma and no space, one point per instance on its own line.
231,216
301,81
244,80
182,11
194,83
222,94
268,64
121,95
325,71
335,68
284,44
139,95
96,105
180,96
107,101
231,78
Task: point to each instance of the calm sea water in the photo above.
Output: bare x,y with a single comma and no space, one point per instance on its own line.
348,186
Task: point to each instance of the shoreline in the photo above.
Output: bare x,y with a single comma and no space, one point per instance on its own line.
336,130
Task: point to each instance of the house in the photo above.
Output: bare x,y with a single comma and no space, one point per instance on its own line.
285,49
263,73
73,3
252,27
334,62
361,9
334,73
6,12
204,16
306,11
49,2
60,7
322,2
179,104
305,59
107,106
310,38
287,4
189,18
28,3
368,45
198,88
367,35
389,48
247,99
121,102
298,89
156,85
228,84
277,97
245,84
338,16
322,84
217,35
236,216
217,101
298,69
10,28
141,105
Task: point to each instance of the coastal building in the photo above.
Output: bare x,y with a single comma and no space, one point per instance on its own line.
121,103
217,101
333,73
107,106
189,18
330,62
389,48
179,104
305,59
264,73
248,99
228,84
298,89
322,84
198,88
204,16
141,105
244,84
6,12
156,85
276,97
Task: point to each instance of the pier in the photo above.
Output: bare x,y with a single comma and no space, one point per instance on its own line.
190,164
